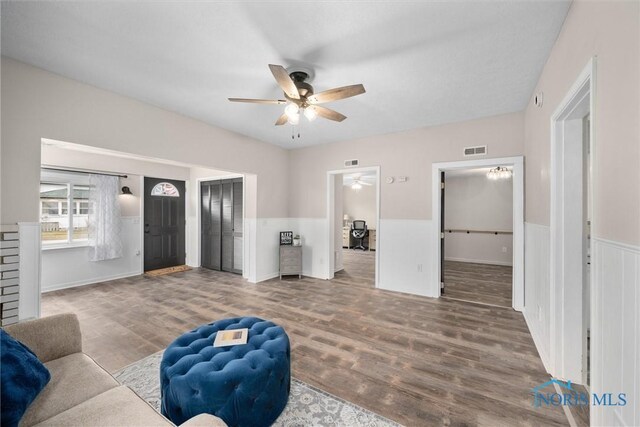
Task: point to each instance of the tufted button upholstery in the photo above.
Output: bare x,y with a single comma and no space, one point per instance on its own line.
245,385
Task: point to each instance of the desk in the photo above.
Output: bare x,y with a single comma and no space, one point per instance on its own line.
370,241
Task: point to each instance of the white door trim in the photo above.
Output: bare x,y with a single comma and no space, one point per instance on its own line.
517,163
330,268
565,267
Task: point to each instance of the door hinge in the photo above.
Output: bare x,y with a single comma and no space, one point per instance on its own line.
442,235
442,185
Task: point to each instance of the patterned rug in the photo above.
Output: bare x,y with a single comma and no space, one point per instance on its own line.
308,405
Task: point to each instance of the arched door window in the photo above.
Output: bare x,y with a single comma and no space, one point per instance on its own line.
165,189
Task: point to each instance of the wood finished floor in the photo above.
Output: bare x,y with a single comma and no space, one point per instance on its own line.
416,360
359,267
480,283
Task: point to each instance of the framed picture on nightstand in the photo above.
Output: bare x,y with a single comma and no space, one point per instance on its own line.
286,238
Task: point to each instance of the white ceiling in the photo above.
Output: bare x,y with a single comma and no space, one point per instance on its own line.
422,62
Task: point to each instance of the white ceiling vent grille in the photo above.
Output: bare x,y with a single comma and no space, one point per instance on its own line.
351,163
479,150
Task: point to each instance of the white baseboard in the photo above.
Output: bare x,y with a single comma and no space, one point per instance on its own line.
79,283
268,276
479,261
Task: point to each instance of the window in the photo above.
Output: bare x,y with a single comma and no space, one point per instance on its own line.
165,189
59,224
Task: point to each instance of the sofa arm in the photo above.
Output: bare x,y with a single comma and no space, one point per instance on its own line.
50,337
204,420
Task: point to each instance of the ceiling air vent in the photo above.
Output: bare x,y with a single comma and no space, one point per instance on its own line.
350,163
480,150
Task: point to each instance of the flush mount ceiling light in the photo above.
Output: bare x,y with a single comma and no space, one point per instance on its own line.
499,173
300,97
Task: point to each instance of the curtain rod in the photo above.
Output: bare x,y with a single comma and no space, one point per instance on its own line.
86,171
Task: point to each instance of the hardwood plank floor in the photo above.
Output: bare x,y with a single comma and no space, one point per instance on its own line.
479,283
359,267
416,360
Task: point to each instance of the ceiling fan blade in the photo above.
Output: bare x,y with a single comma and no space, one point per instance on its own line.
259,101
282,120
328,114
364,183
284,81
336,94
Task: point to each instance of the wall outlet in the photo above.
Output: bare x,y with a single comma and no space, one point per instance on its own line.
504,249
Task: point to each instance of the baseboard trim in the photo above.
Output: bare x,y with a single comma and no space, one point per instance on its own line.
80,283
268,276
479,261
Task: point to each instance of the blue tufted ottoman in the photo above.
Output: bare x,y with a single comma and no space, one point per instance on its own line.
245,385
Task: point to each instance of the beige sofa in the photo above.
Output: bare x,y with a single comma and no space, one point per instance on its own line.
81,392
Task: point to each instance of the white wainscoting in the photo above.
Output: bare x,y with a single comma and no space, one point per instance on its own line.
405,256
267,246
536,287
615,351
479,248
29,300
315,239
70,267
615,334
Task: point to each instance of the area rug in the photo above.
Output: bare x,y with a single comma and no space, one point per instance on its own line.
168,270
308,405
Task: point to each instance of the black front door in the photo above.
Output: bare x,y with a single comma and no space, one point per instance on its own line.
164,223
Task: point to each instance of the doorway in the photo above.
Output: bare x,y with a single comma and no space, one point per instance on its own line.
477,246
355,207
164,223
221,225
572,333
516,168
354,256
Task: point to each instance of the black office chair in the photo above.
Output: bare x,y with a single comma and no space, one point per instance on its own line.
359,231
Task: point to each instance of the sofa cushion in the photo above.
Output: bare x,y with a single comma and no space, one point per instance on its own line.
23,377
116,407
74,379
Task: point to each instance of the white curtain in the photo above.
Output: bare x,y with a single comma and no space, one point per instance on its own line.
104,218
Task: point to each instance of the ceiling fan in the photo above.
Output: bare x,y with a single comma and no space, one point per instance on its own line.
300,97
358,182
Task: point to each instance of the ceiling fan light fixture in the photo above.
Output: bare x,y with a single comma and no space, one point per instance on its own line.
356,186
310,113
292,110
293,119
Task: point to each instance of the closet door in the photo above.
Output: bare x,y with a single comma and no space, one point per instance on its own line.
237,226
211,226
227,226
